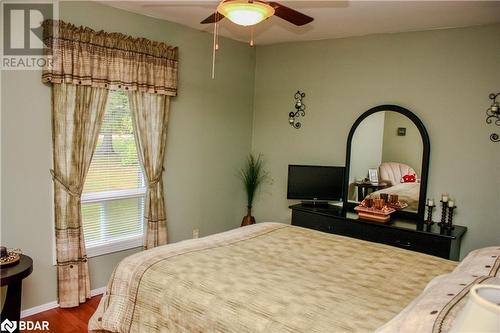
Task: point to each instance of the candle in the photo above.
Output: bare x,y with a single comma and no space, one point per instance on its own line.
430,202
444,197
451,203
3,251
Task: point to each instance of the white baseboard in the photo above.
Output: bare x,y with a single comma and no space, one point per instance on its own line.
38,309
54,304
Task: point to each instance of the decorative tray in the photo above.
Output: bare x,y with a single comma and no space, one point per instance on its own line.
398,206
375,218
10,259
373,211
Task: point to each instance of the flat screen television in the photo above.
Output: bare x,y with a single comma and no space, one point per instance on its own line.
315,183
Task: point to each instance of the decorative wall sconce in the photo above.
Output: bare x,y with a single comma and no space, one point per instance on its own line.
299,110
493,115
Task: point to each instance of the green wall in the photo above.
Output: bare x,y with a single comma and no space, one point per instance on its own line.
444,76
209,137
407,149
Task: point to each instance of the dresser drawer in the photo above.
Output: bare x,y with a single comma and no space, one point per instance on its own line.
326,224
409,240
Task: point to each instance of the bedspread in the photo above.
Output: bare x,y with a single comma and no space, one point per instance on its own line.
267,277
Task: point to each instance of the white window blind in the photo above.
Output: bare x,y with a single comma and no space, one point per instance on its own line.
114,191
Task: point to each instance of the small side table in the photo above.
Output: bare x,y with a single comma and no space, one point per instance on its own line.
12,276
364,187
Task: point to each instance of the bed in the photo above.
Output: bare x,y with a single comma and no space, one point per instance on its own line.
267,277
407,192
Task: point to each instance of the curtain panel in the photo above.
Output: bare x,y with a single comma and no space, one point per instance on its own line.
80,55
150,119
77,115
83,65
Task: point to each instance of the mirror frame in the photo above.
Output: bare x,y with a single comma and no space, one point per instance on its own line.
419,215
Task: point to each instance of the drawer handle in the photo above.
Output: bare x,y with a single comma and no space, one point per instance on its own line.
403,243
326,228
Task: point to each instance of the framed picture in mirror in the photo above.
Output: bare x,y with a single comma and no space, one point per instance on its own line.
373,175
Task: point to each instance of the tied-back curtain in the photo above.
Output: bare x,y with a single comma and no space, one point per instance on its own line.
150,118
80,55
82,65
77,114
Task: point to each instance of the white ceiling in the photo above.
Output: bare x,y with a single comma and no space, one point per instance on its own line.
332,19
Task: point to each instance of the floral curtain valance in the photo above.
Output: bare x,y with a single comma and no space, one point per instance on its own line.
80,55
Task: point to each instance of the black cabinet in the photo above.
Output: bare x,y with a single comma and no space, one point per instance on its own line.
399,233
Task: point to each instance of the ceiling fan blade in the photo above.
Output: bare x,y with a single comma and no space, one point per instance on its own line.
215,17
289,14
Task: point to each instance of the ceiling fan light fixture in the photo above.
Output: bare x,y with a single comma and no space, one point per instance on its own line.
245,13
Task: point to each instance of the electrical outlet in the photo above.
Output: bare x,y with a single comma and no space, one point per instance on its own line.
196,233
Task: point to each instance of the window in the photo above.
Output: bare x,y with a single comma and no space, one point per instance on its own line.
114,191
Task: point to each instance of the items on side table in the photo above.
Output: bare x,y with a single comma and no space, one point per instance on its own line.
11,275
365,186
8,257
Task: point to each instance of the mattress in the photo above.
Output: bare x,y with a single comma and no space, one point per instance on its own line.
267,277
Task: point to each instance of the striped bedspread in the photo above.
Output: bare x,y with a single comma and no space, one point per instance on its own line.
267,277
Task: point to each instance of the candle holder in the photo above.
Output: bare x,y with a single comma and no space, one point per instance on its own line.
449,225
429,222
444,211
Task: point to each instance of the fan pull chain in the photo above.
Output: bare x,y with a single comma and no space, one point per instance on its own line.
215,45
251,36
217,34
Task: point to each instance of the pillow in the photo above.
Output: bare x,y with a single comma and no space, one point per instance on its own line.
409,178
436,308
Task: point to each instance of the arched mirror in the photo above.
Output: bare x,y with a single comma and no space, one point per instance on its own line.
388,157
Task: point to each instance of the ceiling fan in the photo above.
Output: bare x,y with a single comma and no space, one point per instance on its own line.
247,13
244,13
251,12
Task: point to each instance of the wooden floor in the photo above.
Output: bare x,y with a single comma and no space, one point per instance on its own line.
72,320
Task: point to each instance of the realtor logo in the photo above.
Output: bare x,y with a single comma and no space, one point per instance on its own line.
22,27
22,33
8,326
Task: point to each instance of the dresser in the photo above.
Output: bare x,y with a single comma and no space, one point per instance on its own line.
399,233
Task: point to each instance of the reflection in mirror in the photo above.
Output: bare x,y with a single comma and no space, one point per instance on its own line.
386,160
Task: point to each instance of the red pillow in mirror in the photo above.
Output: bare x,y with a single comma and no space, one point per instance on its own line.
409,178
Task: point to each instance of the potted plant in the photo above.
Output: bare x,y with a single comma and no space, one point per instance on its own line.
252,175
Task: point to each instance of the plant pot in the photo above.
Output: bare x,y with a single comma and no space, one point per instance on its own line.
248,219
